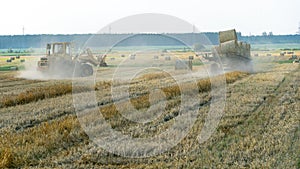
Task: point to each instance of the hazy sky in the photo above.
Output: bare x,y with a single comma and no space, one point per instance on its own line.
90,16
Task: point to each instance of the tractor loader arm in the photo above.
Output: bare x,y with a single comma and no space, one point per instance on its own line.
88,57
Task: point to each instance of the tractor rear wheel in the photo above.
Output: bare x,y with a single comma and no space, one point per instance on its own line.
86,70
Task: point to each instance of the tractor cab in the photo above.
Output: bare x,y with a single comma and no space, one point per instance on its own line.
59,49
56,53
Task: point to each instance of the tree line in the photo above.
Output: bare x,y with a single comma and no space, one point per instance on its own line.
104,40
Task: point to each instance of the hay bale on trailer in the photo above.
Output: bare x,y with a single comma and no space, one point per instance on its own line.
229,47
228,35
245,50
234,55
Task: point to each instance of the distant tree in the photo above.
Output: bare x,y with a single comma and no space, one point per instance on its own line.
239,34
264,34
198,47
30,50
164,51
10,50
270,33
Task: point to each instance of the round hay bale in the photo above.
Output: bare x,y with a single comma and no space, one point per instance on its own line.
228,35
12,58
122,55
191,57
8,60
22,60
18,57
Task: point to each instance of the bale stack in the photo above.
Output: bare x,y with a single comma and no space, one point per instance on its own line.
230,46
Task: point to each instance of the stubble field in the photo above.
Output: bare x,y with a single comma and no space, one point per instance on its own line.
260,127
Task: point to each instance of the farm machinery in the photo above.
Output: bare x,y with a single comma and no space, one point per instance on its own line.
61,60
233,54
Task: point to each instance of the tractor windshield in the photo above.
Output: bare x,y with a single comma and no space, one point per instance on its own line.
58,49
68,50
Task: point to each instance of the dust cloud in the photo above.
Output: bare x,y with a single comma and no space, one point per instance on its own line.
32,73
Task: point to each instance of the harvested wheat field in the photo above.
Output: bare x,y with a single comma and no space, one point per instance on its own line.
41,127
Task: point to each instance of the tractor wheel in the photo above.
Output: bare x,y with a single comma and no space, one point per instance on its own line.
86,70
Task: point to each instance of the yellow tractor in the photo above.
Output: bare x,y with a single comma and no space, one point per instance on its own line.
61,60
